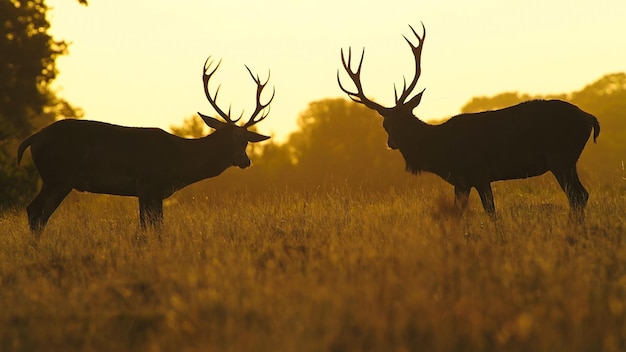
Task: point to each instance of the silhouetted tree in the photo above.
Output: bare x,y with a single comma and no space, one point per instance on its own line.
340,141
192,127
606,98
28,55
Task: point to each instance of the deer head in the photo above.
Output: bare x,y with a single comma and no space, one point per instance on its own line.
394,118
238,134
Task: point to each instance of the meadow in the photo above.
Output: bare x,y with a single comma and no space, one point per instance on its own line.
333,269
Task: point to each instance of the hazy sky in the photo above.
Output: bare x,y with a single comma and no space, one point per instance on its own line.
139,62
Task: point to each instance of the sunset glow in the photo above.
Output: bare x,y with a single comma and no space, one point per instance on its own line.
139,63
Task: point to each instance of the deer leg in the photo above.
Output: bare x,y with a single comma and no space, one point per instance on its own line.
486,198
150,212
576,193
44,204
461,196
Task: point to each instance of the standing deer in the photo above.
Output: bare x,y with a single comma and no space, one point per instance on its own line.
147,163
473,150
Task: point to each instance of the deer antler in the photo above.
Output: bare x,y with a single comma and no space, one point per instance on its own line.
259,106
417,53
207,73
355,76
213,99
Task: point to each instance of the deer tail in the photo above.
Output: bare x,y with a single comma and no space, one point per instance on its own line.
596,128
23,146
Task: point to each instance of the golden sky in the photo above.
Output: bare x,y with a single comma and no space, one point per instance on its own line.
139,62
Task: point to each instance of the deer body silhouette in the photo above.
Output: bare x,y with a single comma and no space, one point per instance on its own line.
147,163
473,150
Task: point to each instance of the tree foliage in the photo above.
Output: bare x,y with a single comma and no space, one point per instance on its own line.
606,99
28,56
345,141
192,127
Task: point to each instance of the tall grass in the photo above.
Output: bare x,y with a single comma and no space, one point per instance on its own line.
336,270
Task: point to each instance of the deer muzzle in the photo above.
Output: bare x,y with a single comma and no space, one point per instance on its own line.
243,162
391,144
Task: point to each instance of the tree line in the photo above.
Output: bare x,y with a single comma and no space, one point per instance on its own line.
341,143
338,142
28,56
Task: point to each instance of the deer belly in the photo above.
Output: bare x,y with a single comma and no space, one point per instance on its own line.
511,171
107,184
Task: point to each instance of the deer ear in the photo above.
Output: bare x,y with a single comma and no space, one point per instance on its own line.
255,137
212,121
415,101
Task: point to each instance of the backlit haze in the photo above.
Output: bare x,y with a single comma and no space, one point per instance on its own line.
139,62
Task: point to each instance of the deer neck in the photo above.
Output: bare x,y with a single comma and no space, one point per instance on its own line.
416,141
205,157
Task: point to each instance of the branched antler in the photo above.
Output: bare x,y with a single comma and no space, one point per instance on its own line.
259,107
213,99
417,53
355,76
207,73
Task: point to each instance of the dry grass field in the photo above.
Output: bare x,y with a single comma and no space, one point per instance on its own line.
336,270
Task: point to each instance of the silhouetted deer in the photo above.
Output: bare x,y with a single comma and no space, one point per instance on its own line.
472,150
147,163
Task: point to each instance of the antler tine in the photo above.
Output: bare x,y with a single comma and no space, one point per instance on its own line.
395,91
355,76
259,106
417,53
240,115
213,99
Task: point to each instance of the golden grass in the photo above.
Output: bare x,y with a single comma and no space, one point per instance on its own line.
336,270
